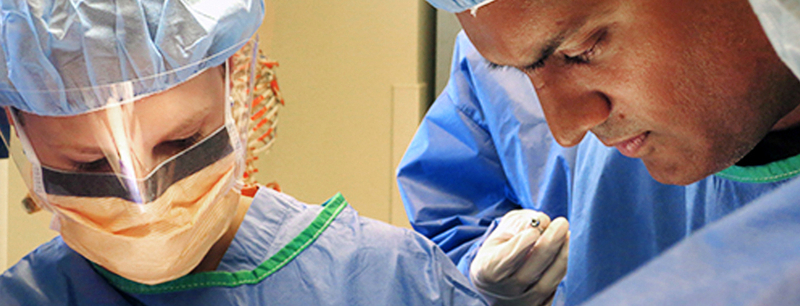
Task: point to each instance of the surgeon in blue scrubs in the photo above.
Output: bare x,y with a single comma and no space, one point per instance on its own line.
131,118
640,123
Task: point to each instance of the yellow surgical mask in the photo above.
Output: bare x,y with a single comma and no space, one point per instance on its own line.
186,205
160,243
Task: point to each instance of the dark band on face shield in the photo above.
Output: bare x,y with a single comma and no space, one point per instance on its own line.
99,185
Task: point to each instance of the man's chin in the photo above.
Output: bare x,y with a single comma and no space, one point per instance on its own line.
677,173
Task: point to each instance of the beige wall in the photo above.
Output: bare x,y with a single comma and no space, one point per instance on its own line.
3,213
354,75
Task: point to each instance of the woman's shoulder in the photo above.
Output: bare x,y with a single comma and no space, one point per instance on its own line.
54,274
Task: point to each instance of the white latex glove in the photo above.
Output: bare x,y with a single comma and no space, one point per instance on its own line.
520,264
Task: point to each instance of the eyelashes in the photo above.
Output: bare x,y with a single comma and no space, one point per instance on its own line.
533,67
493,66
184,143
536,65
583,58
97,166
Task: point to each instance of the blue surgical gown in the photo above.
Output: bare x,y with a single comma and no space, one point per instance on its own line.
284,253
751,257
484,149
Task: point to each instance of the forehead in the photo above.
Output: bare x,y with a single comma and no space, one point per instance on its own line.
161,113
508,32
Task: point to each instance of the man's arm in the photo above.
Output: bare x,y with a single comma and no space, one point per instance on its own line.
482,150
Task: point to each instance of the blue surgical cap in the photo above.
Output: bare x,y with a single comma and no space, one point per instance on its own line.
455,6
68,57
781,22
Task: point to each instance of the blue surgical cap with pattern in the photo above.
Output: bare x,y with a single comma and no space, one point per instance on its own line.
68,57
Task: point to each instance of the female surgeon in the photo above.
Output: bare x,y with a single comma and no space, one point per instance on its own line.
130,131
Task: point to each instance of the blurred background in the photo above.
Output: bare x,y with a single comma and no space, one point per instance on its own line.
356,75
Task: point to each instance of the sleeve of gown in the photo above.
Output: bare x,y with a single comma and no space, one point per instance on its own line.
483,149
54,274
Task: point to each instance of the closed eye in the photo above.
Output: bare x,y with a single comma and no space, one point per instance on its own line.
532,67
586,56
98,166
164,149
583,58
493,66
172,147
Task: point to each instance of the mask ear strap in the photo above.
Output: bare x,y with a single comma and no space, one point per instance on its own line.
27,202
233,131
27,157
27,149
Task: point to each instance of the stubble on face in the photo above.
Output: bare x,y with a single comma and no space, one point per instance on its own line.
700,78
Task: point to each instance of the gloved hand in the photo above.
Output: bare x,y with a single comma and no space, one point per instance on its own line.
523,260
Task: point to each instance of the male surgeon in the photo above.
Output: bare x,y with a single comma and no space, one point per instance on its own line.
693,112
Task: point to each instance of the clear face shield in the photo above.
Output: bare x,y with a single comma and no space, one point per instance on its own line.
146,184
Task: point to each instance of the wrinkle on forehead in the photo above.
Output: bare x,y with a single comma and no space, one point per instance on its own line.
497,29
514,32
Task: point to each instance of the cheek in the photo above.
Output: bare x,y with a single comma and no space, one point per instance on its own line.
694,106
668,89
217,115
649,93
686,140
692,144
661,75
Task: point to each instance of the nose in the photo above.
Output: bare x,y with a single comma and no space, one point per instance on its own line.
153,156
571,108
142,159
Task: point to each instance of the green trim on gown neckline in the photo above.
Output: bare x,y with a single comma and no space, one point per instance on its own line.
331,209
772,172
